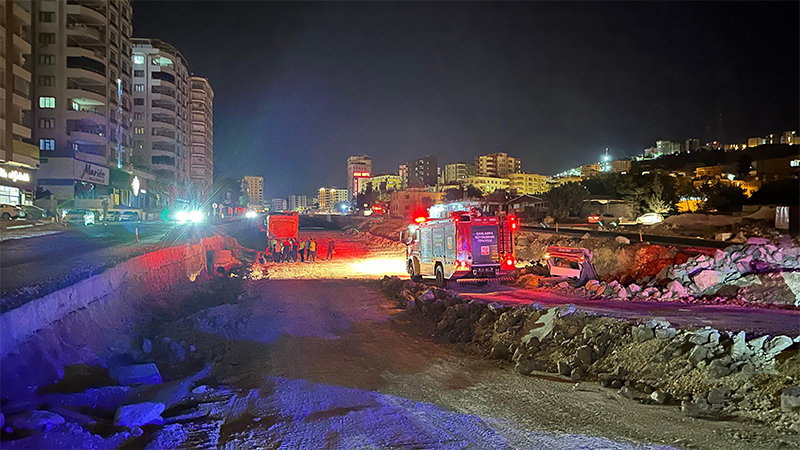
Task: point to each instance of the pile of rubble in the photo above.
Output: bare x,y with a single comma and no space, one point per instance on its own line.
711,374
756,272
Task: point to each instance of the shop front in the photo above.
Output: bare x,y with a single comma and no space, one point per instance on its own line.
17,185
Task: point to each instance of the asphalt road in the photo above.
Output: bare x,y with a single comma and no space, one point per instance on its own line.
634,237
34,266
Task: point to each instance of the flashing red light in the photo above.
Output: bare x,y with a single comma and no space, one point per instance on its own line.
419,219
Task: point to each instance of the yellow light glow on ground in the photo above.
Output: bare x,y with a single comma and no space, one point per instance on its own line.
379,266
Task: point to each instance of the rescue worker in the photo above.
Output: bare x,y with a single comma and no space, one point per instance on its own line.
302,248
276,257
287,250
331,248
313,249
308,249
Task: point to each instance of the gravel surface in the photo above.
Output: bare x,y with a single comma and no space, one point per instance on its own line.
336,366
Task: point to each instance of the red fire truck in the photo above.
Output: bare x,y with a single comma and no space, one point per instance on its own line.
282,225
466,246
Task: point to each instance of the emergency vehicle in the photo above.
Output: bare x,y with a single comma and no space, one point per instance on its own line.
462,245
282,225
571,262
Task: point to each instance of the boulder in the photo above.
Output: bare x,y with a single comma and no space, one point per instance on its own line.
677,289
758,241
660,397
790,399
35,421
428,296
777,345
564,368
139,414
584,355
723,236
792,280
136,374
708,278
719,395
622,240
718,369
698,354
642,334
701,409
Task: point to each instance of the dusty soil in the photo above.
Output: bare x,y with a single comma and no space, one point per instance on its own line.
331,364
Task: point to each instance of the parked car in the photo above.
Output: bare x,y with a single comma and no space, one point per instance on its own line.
77,217
129,216
112,216
8,212
650,219
594,218
36,213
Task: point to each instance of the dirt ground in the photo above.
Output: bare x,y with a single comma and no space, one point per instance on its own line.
331,364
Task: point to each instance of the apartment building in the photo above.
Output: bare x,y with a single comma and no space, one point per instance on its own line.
253,188
487,185
422,172
455,172
497,165
18,159
330,197
278,205
668,147
201,153
359,170
527,183
621,166
161,110
298,203
81,91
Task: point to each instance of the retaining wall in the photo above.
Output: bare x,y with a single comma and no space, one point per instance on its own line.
96,318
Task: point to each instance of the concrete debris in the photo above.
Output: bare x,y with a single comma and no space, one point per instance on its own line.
790,399
137,374
660,397
139,414
622,240
34,421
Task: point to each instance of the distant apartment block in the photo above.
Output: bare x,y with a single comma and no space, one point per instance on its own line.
621,166
691,145
329,198
790,137
590,170
668,147
254,189
359,169
413,201
278,205
201,154
297,203
422,172
455,172
487,185
497,165
527,183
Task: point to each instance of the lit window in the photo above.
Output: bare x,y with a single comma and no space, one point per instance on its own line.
47,144
138,59
138,130
138,87
795,163
47,102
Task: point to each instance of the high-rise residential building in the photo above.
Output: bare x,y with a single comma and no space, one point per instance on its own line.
329,198
756,141
403,173
487,185
298,203
81,90
455,172
278,205
161,110
201,150
359,169
668,147
18,159
254,189
527,183
422,172
497,165
590,170
691,145
384,185
790,137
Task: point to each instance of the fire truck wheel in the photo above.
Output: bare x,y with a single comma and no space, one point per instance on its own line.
410,270
440,281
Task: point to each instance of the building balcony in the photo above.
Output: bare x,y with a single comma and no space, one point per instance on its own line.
87,135
21,130
25,154
88,113
163,105
21,101
84,34
85,14
86,95
22,44
162,134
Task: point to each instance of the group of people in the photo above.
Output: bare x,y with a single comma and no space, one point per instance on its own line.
293,249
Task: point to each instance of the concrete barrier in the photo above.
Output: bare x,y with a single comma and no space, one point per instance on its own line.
96,317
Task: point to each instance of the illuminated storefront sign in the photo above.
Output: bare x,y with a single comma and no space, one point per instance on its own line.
91,172
135,186
361,175
15,175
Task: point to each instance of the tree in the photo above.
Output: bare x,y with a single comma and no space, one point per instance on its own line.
473,192
688,193
630,188
781,192
655,202
453,194
566,200
723,197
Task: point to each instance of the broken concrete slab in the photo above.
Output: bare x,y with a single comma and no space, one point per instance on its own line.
790,399
708,278
34,421
139,414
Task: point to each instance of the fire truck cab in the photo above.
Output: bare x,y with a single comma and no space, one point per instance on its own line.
465,246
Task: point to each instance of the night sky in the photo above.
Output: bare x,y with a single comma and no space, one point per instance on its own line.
301,86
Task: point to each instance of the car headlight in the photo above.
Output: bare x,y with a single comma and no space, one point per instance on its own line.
196,216
250,214
181,216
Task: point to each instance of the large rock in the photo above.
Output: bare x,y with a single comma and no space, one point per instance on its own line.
792,280
790,399
777,345
35,421
584,355
677,289
708,278
758,241
137,374
699,353
139,414
622,240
